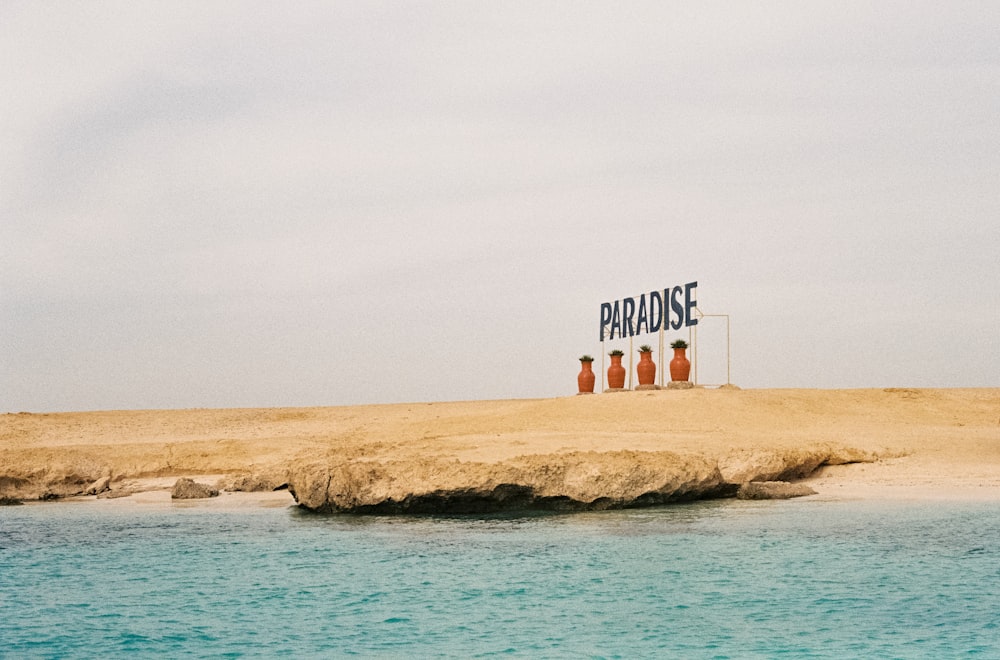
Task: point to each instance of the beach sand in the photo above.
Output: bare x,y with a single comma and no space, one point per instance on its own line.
899,443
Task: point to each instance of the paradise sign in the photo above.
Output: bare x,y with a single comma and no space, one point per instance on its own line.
669,310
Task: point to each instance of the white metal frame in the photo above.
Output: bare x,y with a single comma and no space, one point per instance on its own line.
693,330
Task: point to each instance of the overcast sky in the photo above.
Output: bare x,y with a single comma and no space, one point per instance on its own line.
227,204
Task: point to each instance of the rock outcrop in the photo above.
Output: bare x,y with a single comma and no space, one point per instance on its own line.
101,485
772,490
252,483
570,481
61,477
187,489
119,490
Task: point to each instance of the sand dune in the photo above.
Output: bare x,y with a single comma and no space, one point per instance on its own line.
595,451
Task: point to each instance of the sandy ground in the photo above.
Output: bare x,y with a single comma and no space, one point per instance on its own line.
924,443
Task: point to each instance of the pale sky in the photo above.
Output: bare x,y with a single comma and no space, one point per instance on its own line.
232,204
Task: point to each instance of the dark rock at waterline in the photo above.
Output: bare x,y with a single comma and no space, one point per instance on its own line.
772,490
186,489
10,501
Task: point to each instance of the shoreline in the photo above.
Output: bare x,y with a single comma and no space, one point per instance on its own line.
636,448
835,483
918,495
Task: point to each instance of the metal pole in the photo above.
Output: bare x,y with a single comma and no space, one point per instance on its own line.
603,353
693,340
630,369
661,356
728,360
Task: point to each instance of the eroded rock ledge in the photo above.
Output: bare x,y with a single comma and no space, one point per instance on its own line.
565,481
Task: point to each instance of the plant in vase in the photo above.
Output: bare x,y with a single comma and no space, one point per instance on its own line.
680,366
585,381
646,369
616,372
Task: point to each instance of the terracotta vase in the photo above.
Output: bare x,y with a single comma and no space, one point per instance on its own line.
585,381
646,369
616,373
680,366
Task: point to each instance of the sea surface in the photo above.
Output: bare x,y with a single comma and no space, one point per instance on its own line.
723,579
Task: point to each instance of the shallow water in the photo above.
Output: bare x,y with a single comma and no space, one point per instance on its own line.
724,579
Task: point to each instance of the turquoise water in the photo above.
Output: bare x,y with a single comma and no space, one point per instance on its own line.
724,579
